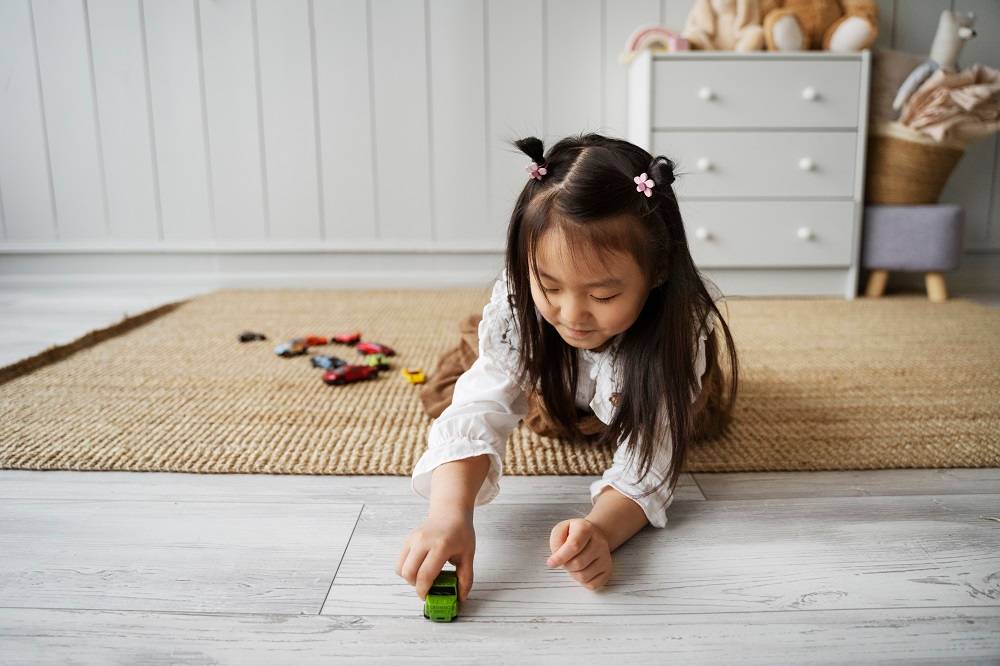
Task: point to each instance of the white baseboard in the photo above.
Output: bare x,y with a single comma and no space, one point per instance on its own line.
258,280
252,267
319,266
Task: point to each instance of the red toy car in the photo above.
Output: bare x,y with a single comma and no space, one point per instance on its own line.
314,340
346,374
347,338
374,348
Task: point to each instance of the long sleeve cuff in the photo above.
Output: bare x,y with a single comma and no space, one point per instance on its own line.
457,450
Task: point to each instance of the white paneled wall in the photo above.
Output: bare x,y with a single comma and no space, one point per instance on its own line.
355,139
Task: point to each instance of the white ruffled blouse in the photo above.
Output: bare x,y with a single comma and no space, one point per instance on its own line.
488,403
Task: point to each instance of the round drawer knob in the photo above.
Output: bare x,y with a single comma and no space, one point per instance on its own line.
701,233
809,94
706,94
704,164
805,233
806,164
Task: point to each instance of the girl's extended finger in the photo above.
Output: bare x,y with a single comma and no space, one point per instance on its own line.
401,559
412,565
465,575
429,571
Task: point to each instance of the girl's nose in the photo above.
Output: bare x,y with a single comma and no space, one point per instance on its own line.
574,312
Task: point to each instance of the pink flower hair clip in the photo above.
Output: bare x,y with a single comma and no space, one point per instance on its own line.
644,184
537,171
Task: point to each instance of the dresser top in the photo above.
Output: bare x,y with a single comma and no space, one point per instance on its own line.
824,56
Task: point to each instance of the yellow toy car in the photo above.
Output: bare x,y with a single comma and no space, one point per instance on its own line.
414,375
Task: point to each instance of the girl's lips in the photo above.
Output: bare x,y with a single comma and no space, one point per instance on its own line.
574,333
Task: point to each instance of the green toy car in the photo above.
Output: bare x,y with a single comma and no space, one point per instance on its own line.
378,361
441,602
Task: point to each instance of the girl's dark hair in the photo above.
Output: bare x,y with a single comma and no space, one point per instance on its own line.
589,193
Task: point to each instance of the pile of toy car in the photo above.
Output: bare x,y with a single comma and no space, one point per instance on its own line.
336,370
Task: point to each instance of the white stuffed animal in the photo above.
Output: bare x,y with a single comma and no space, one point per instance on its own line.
953,32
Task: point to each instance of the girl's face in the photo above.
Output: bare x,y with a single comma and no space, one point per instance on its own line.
587,304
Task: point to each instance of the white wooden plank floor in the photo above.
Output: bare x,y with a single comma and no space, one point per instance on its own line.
891,566
837,567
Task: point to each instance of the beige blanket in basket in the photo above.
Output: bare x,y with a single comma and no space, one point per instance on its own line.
957,106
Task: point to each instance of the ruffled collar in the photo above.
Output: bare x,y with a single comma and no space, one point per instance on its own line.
604,359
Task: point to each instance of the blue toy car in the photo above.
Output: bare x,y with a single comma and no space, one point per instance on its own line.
327,362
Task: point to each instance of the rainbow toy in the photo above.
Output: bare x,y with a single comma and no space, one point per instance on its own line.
655,38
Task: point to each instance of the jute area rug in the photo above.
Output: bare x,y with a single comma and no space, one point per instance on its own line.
827,384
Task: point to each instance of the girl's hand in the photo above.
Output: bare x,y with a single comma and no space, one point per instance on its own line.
443,537
581,548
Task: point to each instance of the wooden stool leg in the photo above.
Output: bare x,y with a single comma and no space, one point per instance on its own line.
876,283
937,291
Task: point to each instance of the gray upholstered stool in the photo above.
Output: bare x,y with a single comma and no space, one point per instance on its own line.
927,239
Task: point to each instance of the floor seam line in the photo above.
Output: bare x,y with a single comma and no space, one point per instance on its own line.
342,556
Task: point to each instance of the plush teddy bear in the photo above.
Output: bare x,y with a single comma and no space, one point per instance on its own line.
725,25
832,25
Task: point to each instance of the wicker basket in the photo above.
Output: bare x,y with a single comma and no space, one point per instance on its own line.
907,167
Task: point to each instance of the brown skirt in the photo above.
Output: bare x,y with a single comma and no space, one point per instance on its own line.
436,393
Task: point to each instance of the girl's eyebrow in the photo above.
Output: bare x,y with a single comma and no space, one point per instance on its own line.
600,283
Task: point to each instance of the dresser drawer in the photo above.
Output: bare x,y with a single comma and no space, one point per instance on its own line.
760,164
769,233
759,93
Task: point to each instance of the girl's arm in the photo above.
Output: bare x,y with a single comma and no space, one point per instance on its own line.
456,484
619,517
486,407
623,477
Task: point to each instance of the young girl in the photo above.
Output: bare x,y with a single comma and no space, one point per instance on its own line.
599,306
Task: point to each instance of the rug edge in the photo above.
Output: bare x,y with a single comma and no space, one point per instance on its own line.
57,353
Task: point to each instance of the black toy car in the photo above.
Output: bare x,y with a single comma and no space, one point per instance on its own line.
250,336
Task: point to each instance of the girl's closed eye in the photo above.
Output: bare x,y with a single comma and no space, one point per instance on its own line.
596,298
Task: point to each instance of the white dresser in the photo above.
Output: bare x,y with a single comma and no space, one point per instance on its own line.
770,152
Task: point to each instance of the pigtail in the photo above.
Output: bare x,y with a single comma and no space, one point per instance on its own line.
533,148
661,170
